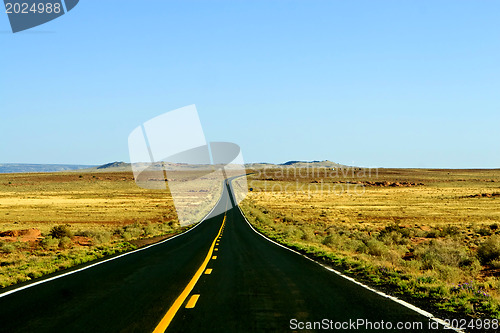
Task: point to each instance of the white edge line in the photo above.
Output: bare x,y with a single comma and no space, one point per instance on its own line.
395,299
106,260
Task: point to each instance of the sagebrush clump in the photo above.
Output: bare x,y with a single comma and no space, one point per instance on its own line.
60,231
489,251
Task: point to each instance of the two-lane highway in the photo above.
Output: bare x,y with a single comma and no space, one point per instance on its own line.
221,276
128,294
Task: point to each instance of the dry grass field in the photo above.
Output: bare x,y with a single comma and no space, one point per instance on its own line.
431,235
90,198
51,221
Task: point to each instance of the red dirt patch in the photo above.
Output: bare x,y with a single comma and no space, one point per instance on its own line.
24,235
82,241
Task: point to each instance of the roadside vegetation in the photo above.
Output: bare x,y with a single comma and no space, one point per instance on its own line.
431,236
51,222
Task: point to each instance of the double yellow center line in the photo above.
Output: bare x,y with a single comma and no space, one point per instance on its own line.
162,326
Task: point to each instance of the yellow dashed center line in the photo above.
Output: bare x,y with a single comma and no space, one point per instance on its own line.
192,301
167,319
208,271
214,257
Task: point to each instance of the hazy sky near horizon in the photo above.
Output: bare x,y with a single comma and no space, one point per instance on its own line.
368,83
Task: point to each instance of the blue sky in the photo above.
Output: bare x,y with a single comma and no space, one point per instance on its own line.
370,83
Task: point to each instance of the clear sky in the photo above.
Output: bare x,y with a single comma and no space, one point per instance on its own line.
369,83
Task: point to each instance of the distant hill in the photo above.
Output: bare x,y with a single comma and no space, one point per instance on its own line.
122,166
259,165
313,164
23,168
113,167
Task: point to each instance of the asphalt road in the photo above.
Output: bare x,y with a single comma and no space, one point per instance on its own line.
253,286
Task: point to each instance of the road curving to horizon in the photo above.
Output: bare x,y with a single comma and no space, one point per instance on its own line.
220,276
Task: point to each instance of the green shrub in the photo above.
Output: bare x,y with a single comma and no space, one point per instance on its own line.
135,232
150,229
291,232
7,247
358,246
102,237
489,250
307,235
471,265
127,235
436,253
432,234
60,231
65,243
84,233
495,264
375,248
49,243
127,232
450,230
484,231
330,240
393,237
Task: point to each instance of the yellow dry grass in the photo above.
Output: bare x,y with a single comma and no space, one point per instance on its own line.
445,198
94,199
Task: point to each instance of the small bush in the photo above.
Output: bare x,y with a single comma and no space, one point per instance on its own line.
330,240
65,243
150,229
393,237
395,232
450,230
102,237
376,248
432,234
484,231
436,253
7,247
135,232
291,232
489,250
60,231
126,235
358,246
307,235
49,243
495,264
173,223
130,231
